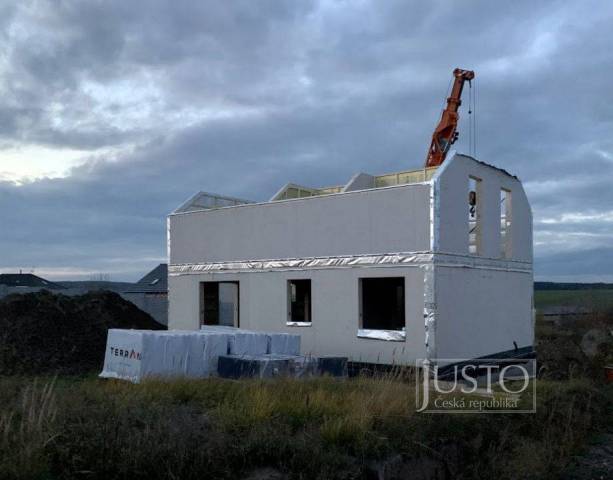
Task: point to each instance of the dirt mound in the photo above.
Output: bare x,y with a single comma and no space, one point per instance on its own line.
44,333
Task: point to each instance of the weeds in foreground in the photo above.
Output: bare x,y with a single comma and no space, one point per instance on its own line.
27,427
317,428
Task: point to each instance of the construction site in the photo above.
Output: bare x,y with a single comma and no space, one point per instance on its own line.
310,336
385,270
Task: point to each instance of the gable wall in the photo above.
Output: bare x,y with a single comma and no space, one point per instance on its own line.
451,180
394,219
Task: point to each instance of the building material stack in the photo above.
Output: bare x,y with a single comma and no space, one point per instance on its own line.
229,352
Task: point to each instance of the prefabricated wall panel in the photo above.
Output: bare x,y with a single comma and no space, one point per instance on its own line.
485,304
335,309
482,312
393,219
451,191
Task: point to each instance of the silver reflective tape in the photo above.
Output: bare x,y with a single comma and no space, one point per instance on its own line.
416,259
434,214
303,263
388,335
430,313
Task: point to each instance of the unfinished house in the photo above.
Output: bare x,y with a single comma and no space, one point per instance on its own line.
431,263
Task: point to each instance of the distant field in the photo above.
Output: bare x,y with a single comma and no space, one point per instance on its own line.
600,299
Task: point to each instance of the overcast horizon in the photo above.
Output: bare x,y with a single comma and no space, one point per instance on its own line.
114,113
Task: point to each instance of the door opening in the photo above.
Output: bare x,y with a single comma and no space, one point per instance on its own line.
219,304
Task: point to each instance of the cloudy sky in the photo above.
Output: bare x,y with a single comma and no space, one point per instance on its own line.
112,113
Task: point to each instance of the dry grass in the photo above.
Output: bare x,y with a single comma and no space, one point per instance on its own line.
27,427
318,428
560,352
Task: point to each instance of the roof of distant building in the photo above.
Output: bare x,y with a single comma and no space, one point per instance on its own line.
27,280
156,281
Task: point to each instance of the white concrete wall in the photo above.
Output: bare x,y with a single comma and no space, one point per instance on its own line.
335,309
452,180
482,312
394,219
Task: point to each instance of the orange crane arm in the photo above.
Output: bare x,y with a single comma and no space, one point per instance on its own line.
446,133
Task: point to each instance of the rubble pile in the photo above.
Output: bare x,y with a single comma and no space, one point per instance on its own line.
45,333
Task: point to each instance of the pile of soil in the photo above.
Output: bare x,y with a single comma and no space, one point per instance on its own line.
45,333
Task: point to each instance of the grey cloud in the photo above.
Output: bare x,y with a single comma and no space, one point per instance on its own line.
240,97
584,265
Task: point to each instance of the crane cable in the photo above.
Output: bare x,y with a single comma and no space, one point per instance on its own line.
475,120
472,119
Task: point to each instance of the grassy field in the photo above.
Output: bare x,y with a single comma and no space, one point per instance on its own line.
601,300
304,429
82,427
